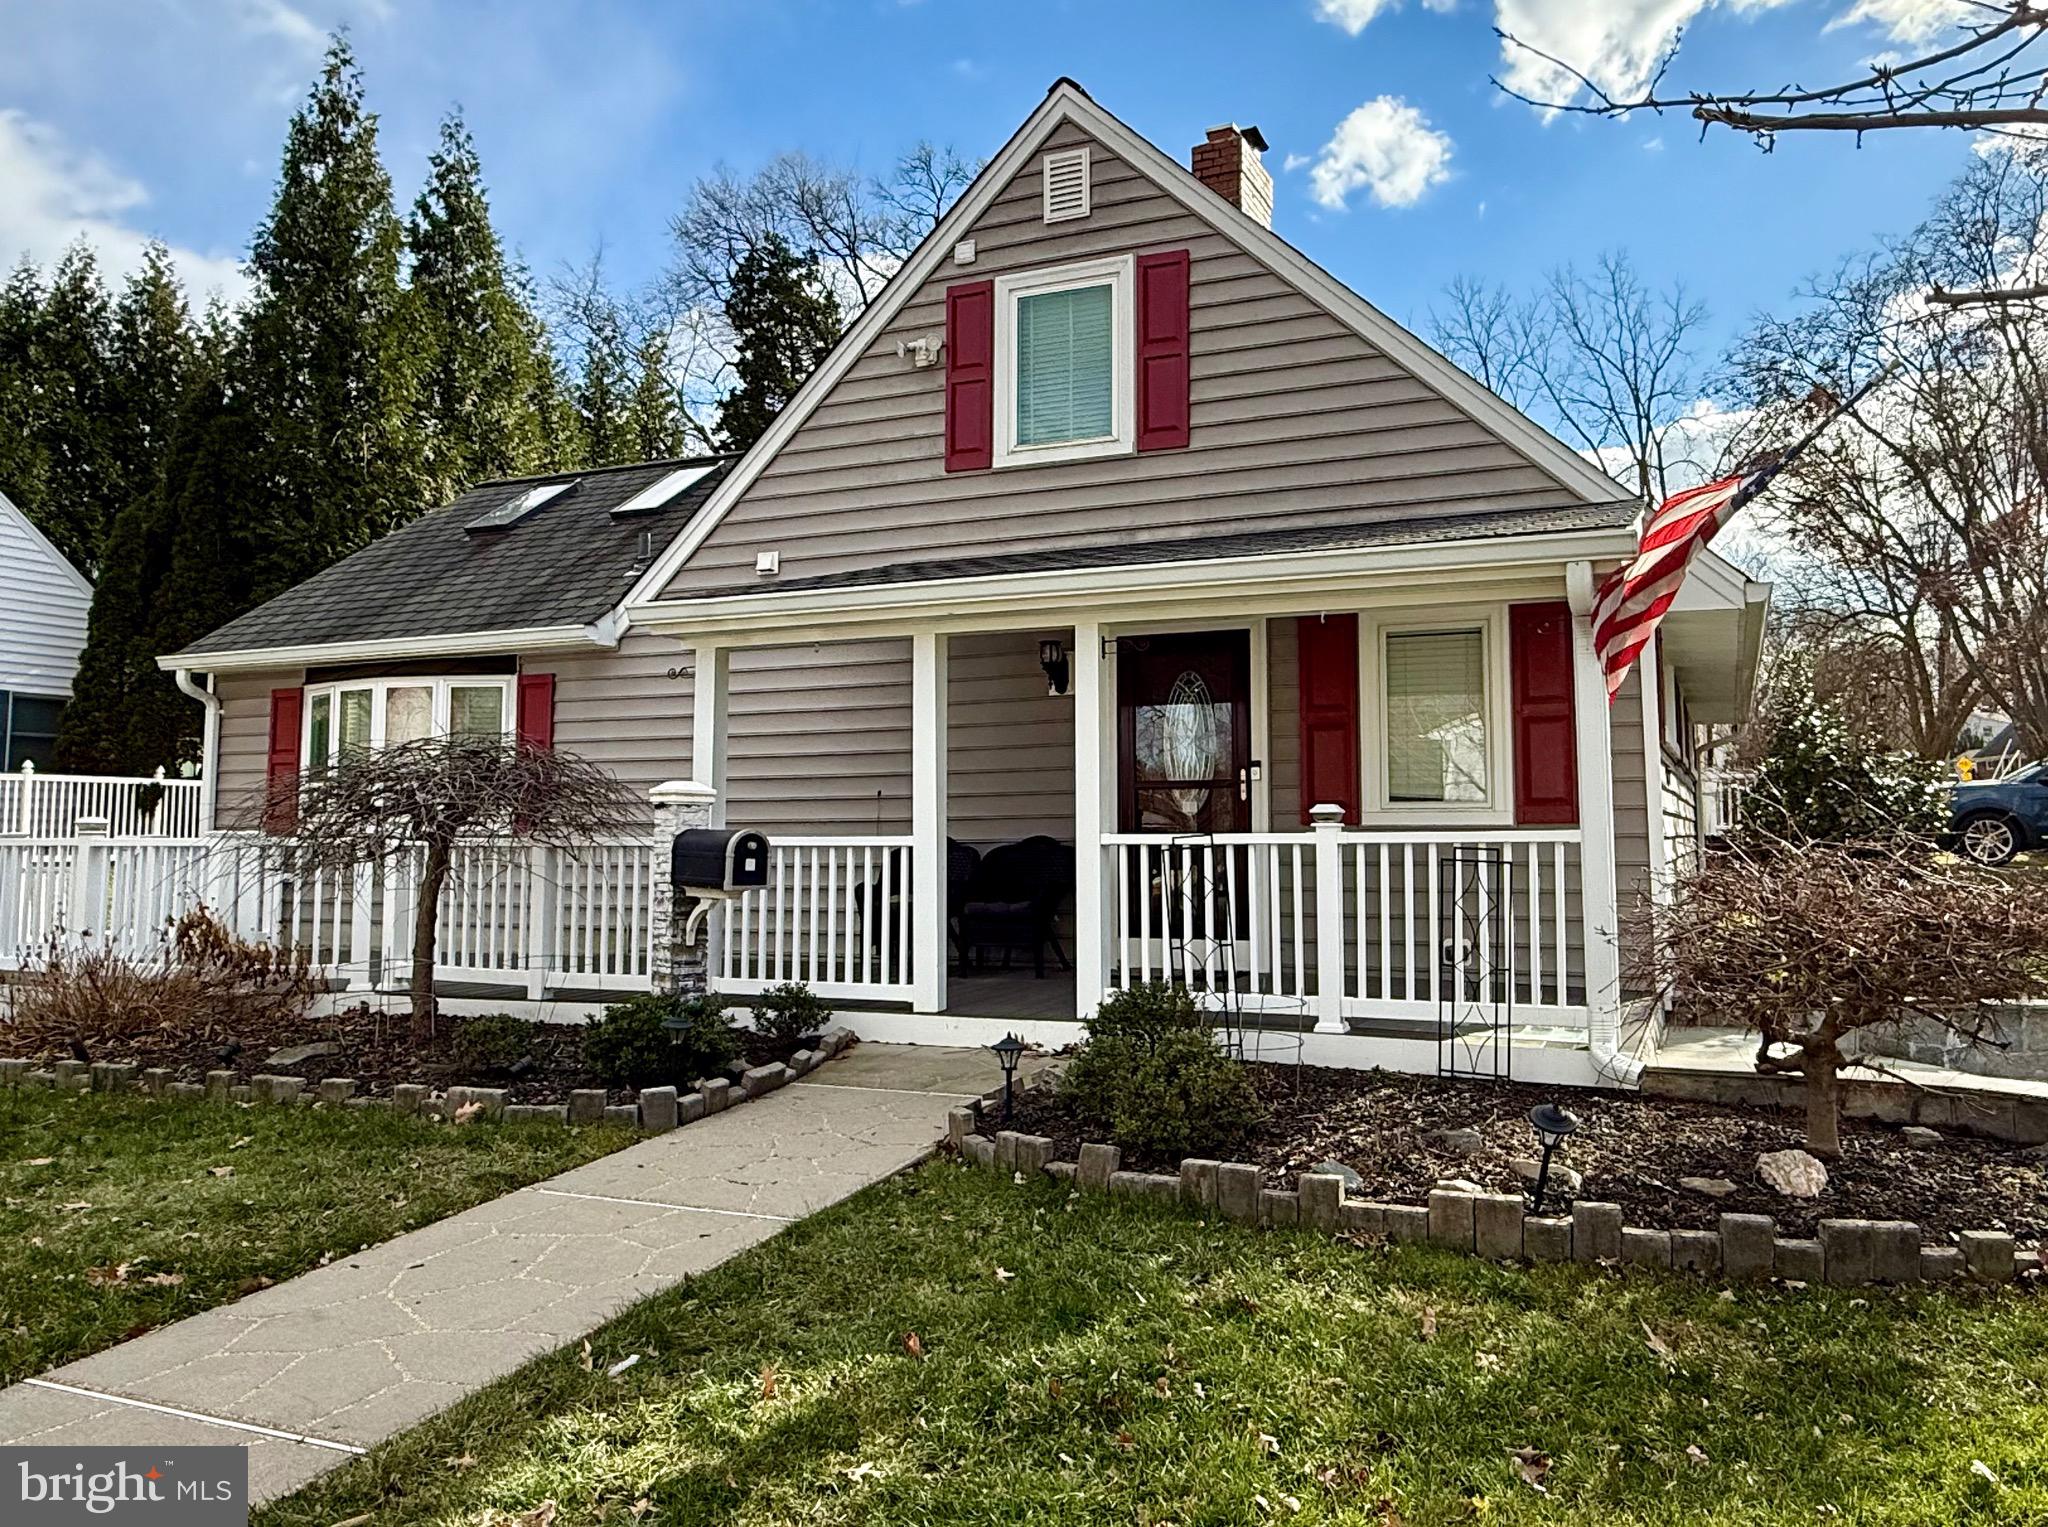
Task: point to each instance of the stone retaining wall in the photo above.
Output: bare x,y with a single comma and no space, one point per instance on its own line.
657,1110
1497,1226
2009,1116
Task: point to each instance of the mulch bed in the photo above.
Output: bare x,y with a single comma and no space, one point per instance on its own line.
1630,1149
376,1049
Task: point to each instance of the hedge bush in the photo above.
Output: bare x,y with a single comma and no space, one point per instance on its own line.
1153,1077
655,1039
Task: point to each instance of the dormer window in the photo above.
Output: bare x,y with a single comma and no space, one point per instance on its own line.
1063,363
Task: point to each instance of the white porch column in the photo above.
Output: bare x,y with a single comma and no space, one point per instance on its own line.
1094,687
1596,829
928,679
710,694
1650,682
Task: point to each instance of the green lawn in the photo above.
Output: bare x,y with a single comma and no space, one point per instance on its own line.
1089,1362
122,1213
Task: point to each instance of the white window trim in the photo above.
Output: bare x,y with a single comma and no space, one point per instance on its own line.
1498,809
1116,272
442,686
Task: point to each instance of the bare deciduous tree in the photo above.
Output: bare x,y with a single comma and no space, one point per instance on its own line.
1809,944
1928,503
1989,76
379,806
1598,357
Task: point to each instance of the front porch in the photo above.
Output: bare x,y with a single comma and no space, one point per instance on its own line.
1422,937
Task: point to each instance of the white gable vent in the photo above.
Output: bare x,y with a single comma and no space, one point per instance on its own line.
1066,185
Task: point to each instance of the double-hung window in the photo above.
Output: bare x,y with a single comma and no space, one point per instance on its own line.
1064,370
1437,727
370,713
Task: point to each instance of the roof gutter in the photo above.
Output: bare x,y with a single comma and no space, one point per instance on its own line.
1193,578
209,742
603,633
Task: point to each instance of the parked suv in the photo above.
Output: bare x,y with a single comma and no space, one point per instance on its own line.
1996,819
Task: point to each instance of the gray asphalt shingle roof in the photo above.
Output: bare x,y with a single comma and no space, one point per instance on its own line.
567,563
1141,553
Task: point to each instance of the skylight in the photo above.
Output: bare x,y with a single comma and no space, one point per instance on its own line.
519,506
663,489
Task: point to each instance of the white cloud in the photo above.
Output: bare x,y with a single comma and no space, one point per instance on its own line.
1617,43
1354,16
274,18
52,194
1294,162
1909,20
1386,147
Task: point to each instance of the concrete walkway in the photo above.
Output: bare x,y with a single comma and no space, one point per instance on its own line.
317,1369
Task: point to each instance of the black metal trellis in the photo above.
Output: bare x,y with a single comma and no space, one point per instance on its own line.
1476,996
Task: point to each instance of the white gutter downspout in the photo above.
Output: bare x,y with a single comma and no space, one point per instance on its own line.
1597,880
209,744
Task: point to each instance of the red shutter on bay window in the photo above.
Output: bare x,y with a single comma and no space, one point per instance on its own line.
1163,350
970,376
1545,733
536,717
1329,713
281,773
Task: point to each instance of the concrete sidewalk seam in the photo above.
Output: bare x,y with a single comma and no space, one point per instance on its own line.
197,1415
901,1092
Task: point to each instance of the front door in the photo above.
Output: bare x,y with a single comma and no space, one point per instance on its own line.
1185,750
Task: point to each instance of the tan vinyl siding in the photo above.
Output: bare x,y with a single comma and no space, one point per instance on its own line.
244,747
1631,803
1010,745
819,738
619,708
1295,420
1283,733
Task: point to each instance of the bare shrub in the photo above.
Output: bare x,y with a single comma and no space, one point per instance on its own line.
203,982
1806,944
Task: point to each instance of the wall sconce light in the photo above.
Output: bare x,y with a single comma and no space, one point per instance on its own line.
1052,657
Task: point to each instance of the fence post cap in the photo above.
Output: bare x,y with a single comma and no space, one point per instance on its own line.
676,792
1326,815
28,766
90,827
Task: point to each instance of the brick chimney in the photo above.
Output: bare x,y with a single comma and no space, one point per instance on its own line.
1228,164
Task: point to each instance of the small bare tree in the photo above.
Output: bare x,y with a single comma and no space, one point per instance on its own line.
376,806
1807,944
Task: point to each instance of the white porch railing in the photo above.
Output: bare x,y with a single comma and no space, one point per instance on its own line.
835,915
1339,925
34,805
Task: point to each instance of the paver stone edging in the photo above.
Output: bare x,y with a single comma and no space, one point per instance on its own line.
659,1108
1495,1226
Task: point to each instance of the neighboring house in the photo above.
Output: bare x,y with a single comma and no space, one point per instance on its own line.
44,601
1115,520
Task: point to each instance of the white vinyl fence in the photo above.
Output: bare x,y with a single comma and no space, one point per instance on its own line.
514,914
36,805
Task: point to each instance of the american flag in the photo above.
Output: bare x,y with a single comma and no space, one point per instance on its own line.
1632,599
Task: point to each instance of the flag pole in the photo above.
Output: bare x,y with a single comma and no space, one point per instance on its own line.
1775,460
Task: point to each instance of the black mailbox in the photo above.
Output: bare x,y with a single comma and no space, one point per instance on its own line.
712,861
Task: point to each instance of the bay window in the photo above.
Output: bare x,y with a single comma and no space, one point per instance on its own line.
372,713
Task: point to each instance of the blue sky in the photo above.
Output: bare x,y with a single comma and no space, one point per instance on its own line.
130,117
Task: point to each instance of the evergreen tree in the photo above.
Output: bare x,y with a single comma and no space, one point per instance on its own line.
554,406
654,418
24,465
603,388
114,723
72,370
784,319
331,364
155,352
482,346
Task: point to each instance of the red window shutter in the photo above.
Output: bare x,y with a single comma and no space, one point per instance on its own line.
1163,351
281,775
1545,733
537,709
970,376
1329,713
